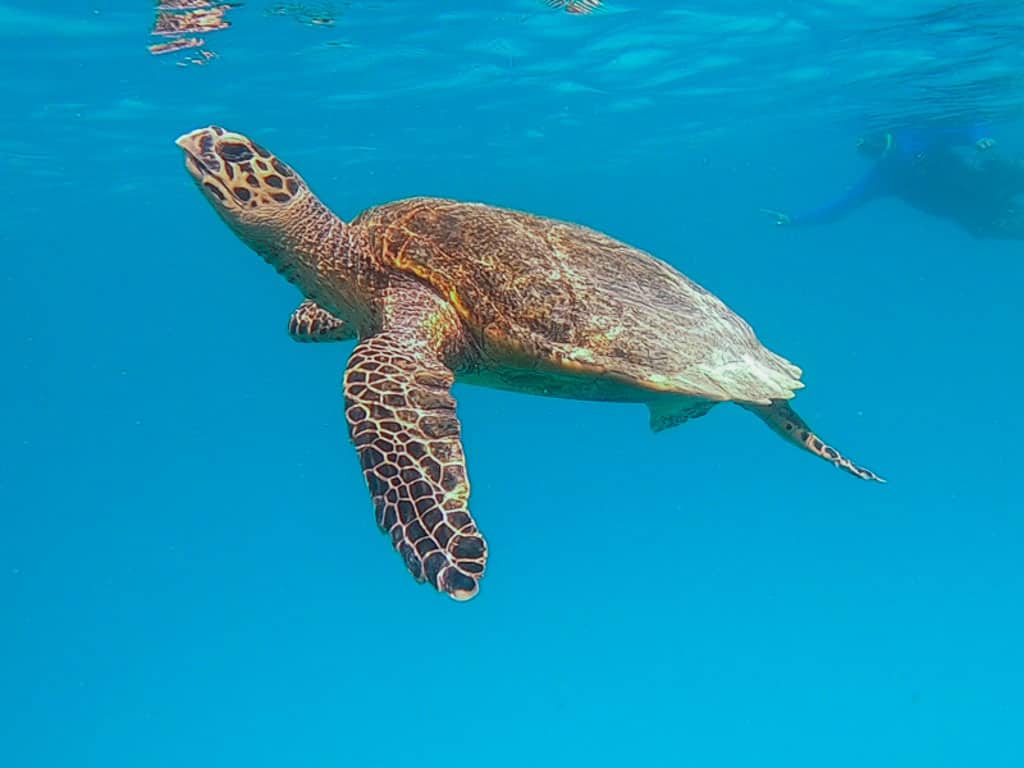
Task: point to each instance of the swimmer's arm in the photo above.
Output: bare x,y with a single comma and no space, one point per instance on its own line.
867,188
978,135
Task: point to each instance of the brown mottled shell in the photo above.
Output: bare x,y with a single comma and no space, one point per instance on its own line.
544,295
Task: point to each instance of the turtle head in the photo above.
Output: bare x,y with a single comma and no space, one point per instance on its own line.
272,210
250,188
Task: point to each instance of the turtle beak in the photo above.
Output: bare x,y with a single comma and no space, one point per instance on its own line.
205,166
200,159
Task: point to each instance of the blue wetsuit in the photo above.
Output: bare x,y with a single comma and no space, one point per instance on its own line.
921,166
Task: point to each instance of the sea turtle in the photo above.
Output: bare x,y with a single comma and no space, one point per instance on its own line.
438,290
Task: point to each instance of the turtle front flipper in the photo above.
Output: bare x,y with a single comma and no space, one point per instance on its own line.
402,421
781,417
311,323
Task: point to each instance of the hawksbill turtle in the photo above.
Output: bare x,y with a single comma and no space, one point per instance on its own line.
437,290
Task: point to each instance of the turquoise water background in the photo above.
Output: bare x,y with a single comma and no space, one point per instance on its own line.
190,572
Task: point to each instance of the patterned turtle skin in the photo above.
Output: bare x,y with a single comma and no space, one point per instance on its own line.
436,290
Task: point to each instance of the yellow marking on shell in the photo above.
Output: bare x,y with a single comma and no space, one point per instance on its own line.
404,263
659,379
456,301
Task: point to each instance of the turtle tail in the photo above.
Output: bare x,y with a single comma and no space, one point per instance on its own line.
785,421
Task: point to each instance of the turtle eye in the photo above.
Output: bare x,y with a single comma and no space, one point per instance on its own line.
234,152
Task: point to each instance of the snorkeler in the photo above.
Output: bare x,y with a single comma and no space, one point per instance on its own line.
954,174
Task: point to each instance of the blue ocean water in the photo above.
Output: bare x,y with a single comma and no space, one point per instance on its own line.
190,572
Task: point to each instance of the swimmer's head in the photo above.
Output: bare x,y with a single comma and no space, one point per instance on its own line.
875,145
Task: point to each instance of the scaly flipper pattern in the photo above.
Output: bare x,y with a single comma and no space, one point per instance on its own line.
311,323
402,420
786,422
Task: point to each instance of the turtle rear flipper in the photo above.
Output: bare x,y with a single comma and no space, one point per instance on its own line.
668,412
402,420
786,422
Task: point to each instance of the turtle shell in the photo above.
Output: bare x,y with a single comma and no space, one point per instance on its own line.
546,298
